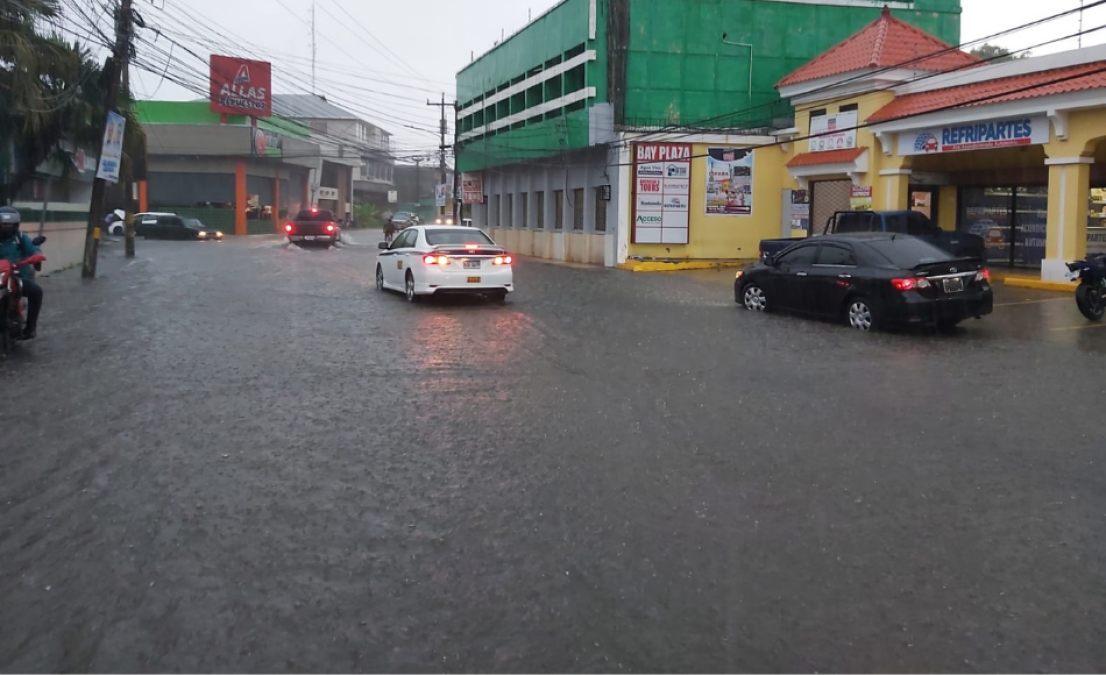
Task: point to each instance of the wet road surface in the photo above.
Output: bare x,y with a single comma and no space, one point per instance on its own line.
244,458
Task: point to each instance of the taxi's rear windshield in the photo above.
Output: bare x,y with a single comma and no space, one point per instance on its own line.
451,236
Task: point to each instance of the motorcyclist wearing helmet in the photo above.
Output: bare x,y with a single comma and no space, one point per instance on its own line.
16,246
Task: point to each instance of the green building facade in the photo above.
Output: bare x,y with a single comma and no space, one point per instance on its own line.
587,69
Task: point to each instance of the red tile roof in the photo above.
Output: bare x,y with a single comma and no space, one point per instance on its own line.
828,157
1032,85
886,42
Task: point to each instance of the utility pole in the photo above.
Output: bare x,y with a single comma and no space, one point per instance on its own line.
128,182
418,184
458,207
1081,3
441,148
96,207
314,47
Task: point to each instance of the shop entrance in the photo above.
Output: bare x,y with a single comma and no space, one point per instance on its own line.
827,197
1013,220
923,199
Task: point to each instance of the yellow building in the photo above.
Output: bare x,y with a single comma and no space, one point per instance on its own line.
894,119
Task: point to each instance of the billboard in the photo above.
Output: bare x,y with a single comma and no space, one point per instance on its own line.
241,86
662,193
833,132
729,182
266,143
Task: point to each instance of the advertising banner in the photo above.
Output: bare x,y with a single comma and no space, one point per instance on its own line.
662,193
833,132
861,198
729,182
266,143
472,188
241,86
441,193
1003,133
111,152
798,204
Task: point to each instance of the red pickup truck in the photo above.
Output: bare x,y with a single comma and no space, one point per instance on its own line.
313,225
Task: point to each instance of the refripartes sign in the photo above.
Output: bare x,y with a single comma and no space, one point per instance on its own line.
662,190
983,135
241,86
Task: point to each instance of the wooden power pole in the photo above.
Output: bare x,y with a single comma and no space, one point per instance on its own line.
120,54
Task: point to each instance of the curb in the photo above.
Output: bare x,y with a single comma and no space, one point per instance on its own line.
1037,284
682,267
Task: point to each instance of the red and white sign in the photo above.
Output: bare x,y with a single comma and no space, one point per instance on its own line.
662,193
472,188
241,86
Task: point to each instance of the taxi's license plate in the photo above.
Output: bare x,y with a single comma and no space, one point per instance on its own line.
954,285
472,264
474,280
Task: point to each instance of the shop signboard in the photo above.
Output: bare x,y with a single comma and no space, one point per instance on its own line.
984,135
472,188
833,132
241,86
861,198
729,182
1096,241
662,193
327,194
111,152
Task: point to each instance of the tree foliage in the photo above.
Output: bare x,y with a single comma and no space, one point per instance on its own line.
996,54
51,91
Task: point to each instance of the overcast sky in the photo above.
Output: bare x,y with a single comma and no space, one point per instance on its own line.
384,58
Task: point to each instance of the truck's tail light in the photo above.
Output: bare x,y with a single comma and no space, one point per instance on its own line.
288,227
330,227
436,260
910,284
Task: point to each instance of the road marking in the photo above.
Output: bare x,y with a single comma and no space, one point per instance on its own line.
1091,325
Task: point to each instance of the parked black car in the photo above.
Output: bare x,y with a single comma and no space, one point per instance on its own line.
170,226
871,280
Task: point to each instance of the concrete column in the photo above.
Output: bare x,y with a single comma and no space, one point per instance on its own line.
276,201
240,198
947,207
893,190
1069,189
143,196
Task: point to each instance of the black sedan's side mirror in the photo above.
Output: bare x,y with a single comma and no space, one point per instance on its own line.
769,260
382,246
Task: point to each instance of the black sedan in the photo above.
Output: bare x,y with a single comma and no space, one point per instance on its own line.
872,281
169,226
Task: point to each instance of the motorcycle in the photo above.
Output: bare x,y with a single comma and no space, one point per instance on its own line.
1090,296
13,309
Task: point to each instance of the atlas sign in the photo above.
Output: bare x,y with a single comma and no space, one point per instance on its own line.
241,86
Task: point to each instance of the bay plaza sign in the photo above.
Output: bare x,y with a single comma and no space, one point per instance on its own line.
984,135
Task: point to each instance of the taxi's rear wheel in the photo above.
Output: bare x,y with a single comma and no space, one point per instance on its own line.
379,278
409,289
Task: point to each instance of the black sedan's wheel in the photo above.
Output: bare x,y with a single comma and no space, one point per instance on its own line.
754,298
379,278
861,315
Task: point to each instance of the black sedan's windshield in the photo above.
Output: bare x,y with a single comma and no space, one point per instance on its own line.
452,236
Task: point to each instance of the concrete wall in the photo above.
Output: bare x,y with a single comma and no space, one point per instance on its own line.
518,229
64,246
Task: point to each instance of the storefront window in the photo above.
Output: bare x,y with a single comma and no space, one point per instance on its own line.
1012,220
1096,223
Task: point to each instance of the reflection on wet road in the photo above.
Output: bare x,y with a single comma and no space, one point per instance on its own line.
244,457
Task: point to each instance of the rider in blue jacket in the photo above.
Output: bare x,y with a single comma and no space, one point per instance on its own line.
16,246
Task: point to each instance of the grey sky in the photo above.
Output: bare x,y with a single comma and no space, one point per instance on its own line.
420,44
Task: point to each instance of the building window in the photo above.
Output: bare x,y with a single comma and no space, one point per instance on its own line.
558,209
509,220
525,210
495,212
821,112
539,202
600,209
578,209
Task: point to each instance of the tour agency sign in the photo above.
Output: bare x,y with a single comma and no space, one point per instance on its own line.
662,193
241,86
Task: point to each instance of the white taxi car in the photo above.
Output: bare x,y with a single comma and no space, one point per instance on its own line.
442,260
